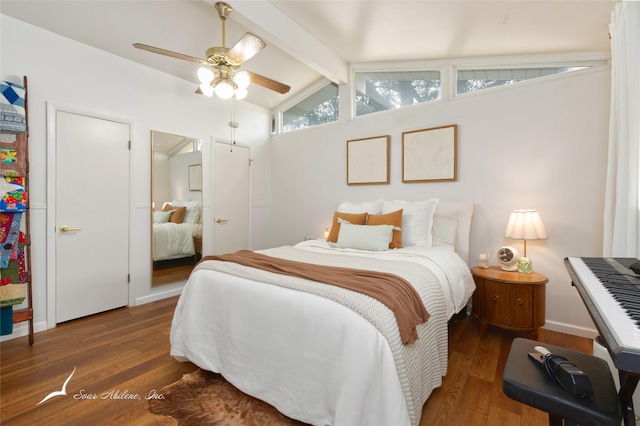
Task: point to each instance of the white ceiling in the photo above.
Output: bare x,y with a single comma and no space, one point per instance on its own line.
312,39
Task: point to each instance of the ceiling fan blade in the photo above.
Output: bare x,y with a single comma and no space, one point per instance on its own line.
268,83
170,53
245,48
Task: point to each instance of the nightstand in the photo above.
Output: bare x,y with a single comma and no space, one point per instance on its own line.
197,242
509,300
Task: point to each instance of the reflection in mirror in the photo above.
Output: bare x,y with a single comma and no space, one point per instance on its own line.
176,204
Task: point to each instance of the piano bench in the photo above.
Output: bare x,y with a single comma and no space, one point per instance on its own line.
525,381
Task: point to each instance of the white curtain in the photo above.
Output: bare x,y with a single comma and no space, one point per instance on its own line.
622,208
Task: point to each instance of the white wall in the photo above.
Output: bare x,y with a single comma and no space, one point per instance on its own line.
179,176
161,184
541,145
70,74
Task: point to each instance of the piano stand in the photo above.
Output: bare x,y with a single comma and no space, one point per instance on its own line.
628,384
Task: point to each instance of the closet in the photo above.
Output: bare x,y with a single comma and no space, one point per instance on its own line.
15,236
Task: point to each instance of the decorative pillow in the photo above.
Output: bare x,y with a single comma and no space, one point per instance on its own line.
178,215
394,219
417,220
193,210
444,232
352,218
371,207
13,151
365,237
162,217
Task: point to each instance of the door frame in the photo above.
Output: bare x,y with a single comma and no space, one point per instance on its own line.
51,143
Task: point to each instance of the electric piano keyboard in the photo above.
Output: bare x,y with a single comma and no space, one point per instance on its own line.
613,300
611,293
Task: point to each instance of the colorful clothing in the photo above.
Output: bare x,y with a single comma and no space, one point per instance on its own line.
13,117
10,230
13,154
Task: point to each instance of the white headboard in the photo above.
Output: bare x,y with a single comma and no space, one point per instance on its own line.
461,212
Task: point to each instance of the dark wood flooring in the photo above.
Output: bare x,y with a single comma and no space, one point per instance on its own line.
171,271
125,352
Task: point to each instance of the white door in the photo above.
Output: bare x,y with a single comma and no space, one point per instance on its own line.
231,198
92,215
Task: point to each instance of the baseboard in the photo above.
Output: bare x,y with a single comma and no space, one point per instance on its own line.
21,329
590,333
174,291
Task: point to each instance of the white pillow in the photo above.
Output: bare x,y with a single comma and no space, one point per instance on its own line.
371,207
444,232
193,210
162,217
365,237
417,220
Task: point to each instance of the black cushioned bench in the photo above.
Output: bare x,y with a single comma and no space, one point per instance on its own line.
525,381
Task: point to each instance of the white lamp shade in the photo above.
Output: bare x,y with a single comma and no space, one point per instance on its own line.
205,75
224,90
526,225
242,79
206,89
241,93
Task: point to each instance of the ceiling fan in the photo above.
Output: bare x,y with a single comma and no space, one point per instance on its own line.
227,80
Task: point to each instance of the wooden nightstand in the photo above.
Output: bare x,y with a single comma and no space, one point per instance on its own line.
197,242
510,300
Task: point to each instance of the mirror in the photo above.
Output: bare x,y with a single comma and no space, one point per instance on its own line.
176,206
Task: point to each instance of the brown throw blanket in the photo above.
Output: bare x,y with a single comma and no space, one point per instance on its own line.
391,290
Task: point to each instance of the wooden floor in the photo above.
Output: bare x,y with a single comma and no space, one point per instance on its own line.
471,393
171,271
124,353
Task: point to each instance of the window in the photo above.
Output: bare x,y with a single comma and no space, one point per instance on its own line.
319,108
188,145
381,91
479,79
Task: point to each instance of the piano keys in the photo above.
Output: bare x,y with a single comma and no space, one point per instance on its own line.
611,294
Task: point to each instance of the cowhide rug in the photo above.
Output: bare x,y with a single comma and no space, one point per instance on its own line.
205,398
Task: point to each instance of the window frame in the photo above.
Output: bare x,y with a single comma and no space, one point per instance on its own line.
354,91
409,66
594,61
310,90
587,66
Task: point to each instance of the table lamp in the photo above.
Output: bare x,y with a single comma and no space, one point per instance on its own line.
525,225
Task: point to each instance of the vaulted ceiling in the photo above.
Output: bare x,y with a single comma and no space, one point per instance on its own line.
308,40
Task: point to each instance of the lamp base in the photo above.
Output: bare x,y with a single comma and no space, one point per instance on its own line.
524,265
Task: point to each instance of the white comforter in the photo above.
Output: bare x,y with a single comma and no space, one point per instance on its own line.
312,358
174,240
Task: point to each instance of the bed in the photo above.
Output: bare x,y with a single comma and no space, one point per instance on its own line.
174,230
325,354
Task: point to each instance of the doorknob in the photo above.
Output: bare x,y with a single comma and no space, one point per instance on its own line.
218,220
65,228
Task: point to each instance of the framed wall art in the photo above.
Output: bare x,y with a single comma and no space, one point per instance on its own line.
368,161
195,177
429,155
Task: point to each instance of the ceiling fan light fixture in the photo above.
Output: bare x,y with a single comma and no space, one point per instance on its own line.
225,62
241,93
206,89
242,79
205,75
224,90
